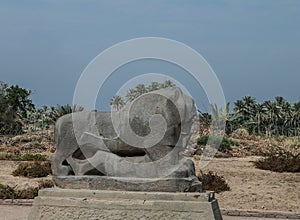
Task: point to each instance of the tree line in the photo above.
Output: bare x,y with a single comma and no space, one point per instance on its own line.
117,102
271,118
18,114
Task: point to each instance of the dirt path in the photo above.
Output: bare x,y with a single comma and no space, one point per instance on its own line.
14,212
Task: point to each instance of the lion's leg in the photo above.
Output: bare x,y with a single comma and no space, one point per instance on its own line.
59,165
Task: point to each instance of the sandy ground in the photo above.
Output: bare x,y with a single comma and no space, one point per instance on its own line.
14,212
7,167
252,188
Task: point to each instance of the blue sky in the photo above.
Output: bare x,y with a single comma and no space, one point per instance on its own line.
252,45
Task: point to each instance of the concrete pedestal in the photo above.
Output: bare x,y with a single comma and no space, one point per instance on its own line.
68,204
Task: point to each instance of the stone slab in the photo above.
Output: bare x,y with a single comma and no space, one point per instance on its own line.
261,213
188,184
101,204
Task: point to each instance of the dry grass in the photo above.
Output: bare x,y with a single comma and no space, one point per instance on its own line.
33,170
283,161
213,182
34,142
8,192
264,146
23,157
45,184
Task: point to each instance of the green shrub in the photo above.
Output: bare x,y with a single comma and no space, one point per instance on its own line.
213,182
33,170
197,157
202,140
6,156
30,157
225,145
23,157
14,103
280,162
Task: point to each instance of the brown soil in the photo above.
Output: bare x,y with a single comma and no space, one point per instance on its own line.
14,212
252,188
33,142
7,167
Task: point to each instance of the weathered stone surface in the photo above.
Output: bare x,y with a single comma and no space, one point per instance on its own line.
192,144
95,204
142,140
129,184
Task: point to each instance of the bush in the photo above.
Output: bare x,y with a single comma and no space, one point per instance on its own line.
240,133
283,161
197,157
5,156
28,193
33,170
225,145
213,182
46,184
7,192
14,103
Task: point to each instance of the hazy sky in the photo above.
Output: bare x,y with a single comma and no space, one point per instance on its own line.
252,45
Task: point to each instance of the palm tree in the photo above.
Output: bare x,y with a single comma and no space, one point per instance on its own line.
131,95
117,102
296,118
168,83
241,111
250,104
273,117
154,86
260,116
219,116
63,110
239,107
280,100
274,114
286,111
141,89
205,121
248,114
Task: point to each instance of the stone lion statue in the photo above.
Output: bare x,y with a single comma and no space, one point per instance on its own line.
143,140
